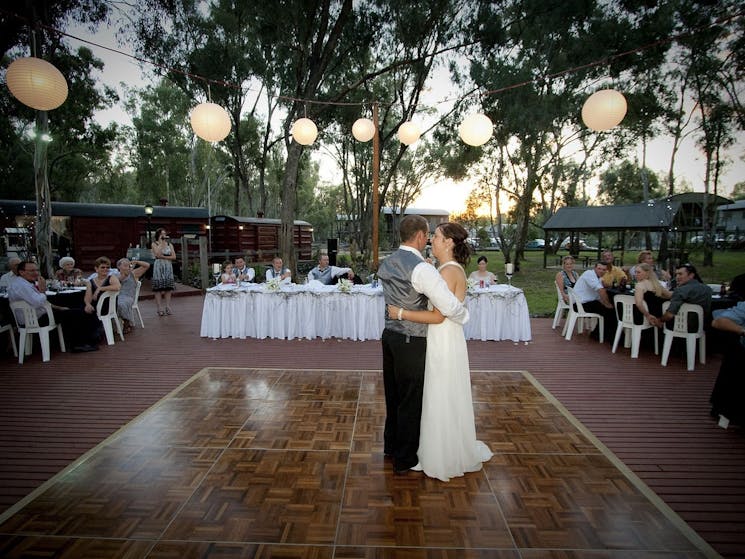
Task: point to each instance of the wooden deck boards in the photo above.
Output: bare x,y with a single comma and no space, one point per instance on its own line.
654,419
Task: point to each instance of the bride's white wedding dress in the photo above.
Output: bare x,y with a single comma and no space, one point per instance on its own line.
447,443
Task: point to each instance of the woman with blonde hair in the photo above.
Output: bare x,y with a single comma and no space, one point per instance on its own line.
649,290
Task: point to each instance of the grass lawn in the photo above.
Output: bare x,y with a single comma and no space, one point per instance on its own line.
538,283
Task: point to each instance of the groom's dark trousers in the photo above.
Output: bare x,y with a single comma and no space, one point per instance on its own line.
403,377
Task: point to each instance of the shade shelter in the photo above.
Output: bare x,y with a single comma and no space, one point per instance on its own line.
680,215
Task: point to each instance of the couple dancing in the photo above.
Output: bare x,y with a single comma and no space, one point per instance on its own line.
429,422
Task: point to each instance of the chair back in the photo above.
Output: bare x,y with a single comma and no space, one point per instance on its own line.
574,301
30,319
107,302
680,322
624,305
137,291
560,295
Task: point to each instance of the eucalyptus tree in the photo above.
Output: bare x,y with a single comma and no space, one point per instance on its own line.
29,29
704,36
161,143
536,62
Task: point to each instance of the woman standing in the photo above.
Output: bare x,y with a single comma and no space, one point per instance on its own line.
130,273
163,281
482,274
447,443
99,284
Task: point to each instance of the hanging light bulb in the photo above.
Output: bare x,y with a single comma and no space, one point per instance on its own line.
304,131
408,133
36,83
476,129
210,122
604,109
363,129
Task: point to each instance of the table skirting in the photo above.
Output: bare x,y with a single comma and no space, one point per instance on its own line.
299,311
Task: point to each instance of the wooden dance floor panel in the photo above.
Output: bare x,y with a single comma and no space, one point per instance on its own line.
289,463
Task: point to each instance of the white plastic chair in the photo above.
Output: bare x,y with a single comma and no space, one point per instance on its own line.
577,316
31,327
632,332
9,329
135,305
110,317
680,330
561,306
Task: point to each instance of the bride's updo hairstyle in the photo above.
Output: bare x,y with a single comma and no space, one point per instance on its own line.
461,248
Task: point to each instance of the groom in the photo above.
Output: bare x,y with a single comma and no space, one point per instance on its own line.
409,282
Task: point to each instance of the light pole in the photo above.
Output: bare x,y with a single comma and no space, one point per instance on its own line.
148,213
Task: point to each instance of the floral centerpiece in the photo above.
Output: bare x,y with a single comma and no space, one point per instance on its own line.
273,284
345,285
471,284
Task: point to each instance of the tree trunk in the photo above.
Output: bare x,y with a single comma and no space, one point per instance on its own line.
43,201
289,203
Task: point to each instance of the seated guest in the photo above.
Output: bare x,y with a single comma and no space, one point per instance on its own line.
68,272
243,272
688,289
482,274
130,272
7,276
728,396
590,291
80,329
649,290
277,271
326,274
614,275
228,276
646,257
567,277
103,281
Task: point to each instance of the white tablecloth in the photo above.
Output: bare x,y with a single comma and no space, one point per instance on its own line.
299,311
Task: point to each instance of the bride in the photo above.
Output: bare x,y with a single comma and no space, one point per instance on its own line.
447,443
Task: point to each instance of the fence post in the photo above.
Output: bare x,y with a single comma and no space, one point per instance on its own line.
185,274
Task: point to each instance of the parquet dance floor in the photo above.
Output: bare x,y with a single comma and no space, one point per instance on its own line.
289,463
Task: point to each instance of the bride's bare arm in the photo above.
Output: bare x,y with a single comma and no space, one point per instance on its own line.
423,317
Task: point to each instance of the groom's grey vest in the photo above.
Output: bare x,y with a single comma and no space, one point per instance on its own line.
395,276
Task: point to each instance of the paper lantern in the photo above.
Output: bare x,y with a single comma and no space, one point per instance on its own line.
36,83
304,131
408,133
210,122
604,109
363,129
476,129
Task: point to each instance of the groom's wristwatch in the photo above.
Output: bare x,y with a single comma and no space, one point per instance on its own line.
400,313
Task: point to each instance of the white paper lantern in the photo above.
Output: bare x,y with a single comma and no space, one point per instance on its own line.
408,133
604,109
476,129
363,129
36,83
210,122
304,131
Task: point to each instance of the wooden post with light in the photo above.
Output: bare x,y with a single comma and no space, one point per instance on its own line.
149,213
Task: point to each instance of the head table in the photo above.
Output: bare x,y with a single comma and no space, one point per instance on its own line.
291,311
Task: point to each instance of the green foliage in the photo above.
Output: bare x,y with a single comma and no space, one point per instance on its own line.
624,183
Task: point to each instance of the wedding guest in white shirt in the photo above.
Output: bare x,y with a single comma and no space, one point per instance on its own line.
277,271
243,272
591,292
326,274
80,328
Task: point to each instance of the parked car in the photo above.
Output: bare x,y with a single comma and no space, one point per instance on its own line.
535,244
